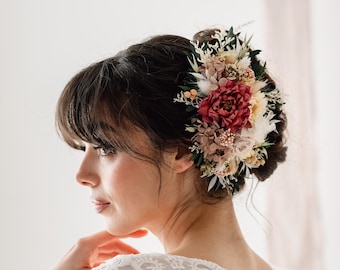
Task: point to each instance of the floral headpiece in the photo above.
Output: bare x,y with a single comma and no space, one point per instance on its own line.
232,109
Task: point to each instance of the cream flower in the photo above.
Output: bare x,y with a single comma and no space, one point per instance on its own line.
243,63
244,142
263,126
255,159
227,168
248,77
258,103
204,87
230,57
232,72
257,86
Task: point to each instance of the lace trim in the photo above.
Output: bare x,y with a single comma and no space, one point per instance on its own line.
157,261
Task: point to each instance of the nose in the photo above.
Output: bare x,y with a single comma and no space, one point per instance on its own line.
87,174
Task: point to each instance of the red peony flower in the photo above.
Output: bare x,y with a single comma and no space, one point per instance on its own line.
228,106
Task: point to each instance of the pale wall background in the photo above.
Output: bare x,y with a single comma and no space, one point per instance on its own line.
42,44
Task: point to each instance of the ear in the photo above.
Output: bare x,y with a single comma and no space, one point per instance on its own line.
182,160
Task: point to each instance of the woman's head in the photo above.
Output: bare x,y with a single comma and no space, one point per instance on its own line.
108,102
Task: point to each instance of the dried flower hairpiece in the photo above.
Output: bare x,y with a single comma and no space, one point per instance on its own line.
233,109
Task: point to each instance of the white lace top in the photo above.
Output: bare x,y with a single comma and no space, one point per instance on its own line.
156,261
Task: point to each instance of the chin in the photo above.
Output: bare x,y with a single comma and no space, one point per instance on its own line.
118,229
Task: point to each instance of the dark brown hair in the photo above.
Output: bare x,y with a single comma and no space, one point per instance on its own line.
106,102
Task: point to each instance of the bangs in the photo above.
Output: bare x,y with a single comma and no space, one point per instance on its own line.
108,103
90,108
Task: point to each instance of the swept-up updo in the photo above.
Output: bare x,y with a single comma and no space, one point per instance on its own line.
108,101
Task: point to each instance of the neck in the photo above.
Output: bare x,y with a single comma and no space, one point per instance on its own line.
217,220
192,229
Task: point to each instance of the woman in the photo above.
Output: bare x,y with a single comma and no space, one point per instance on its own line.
170,130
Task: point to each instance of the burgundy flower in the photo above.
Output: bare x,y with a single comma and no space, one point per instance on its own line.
228,106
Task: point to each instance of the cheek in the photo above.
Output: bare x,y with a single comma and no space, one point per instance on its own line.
132,179
133,190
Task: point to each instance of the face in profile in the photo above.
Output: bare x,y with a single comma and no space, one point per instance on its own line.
125,189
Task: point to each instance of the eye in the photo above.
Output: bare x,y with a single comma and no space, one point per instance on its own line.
104,151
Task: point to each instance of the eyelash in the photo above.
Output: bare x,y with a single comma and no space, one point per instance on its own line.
104,151
101,150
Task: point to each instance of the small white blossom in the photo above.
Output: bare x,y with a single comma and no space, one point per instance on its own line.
204,87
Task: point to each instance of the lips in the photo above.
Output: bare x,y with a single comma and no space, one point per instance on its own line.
100,206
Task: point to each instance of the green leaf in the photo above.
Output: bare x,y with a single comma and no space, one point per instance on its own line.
230,32
200,160
253,53
184,87
189,108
